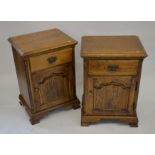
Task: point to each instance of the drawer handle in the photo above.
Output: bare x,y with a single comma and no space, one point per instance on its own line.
113,68
51,59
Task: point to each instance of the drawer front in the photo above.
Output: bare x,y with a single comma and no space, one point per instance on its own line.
50,59
113,67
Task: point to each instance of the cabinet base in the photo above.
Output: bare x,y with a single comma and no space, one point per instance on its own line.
35,117
76,104
87,120
133,124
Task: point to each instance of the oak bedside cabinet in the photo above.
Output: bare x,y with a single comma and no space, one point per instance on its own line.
45,67
112,70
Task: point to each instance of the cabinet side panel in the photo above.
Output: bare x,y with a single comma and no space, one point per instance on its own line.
21,76
73,73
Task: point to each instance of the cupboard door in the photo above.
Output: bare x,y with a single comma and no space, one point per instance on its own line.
53,86
110,95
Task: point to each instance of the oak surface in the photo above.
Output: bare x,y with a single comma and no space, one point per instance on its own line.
112,46
41,41
45,67
43,61
112,70
124,67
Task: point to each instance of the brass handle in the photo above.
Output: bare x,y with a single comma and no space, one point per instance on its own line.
113,68
52,59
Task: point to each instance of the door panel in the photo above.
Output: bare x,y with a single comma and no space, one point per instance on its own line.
110,95
53,86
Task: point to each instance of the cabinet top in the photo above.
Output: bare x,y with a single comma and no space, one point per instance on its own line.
112,47
40,41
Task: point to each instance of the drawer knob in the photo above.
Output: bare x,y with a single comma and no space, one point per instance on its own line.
51,59
113,68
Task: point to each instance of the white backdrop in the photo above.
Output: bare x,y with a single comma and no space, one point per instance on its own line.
13,118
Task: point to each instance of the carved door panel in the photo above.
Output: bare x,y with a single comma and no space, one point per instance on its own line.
111,95
53,86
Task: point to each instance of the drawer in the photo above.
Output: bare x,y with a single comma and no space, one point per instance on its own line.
113,67
50,59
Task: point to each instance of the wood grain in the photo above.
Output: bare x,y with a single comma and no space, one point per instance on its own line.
110,95
112,47
41,62
112,70
45,66
37,42
22,77
53,86
125,67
